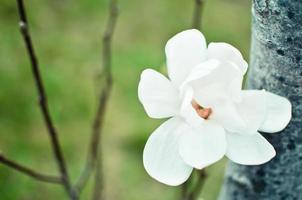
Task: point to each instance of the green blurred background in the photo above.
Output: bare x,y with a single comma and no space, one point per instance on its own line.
67,37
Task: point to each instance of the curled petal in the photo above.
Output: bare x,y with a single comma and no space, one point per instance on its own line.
187,111
158,96
202,72
249,149
217,85
278,114
161,157
222,80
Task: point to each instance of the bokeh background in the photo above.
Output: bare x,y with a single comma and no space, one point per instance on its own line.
67,36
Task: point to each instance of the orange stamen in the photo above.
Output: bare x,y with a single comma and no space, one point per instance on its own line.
202,112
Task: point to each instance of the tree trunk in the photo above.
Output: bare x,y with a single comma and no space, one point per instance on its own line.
276,66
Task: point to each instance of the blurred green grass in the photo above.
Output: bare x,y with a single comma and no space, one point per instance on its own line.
67,37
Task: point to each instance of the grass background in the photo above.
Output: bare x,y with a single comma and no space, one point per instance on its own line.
67,37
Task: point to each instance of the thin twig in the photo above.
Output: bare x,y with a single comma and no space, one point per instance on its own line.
197,13
43,98
94,151
30,172
107,58
98,193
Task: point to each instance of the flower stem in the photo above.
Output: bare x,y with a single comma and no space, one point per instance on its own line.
191,191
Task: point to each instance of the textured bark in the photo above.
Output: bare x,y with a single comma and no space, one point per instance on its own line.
276,66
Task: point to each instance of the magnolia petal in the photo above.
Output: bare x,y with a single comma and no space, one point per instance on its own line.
184,51
226,113
278,115
157,94
161,157
252,109
227,52
223,81
249,149
203,146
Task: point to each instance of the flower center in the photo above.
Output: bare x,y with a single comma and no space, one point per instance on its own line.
201,111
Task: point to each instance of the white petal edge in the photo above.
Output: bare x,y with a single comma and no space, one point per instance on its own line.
157,94
184,51
278,115
161,157
201,70
226,52
203,146
249,149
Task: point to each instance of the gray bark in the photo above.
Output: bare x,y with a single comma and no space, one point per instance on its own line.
276,66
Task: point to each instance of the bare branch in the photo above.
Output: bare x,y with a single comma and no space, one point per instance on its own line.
94,151
42,97
30,172
197,13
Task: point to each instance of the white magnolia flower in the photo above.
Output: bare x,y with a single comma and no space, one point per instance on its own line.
210,115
